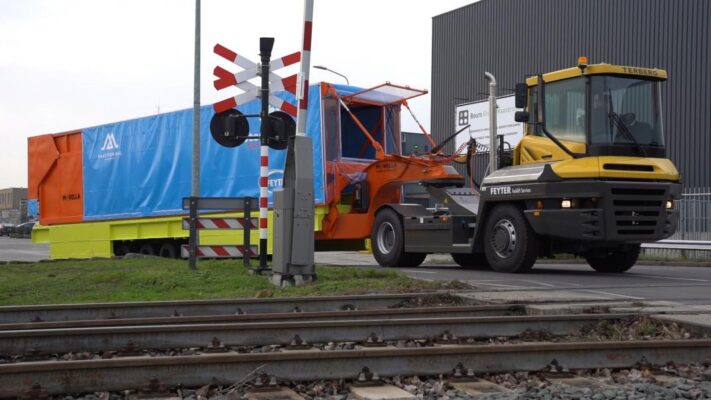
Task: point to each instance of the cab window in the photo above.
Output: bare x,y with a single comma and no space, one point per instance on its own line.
565,109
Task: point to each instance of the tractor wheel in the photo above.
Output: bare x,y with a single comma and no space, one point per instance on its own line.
510,244
615,260
388,242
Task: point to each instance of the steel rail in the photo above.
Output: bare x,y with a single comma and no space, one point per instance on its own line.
132,372
63,312
101,339
424,312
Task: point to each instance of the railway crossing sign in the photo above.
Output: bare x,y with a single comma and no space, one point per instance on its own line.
241,79
229,126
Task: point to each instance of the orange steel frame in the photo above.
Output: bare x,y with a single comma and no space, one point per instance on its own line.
384,179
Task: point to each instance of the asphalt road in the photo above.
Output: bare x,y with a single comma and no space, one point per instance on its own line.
687,285
22,250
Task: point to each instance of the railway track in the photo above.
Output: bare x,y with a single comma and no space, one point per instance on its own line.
95,311
80,356
235,335
422,312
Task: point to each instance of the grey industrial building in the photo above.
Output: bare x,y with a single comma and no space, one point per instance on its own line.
514,38
13,205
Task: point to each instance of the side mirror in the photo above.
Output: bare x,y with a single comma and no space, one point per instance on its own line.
521,95
521,116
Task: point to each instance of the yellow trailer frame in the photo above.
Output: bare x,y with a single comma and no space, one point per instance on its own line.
95,238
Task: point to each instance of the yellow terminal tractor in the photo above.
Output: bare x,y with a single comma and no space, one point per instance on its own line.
590,176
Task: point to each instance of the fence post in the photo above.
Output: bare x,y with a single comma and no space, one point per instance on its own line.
193,241
247,226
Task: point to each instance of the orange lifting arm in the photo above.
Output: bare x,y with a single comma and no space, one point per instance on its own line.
422,128
379,152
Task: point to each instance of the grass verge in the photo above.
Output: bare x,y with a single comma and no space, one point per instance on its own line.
146,279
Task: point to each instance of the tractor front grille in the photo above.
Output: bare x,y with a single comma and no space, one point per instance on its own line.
638,212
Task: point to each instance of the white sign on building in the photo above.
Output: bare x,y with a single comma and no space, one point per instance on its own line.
476,115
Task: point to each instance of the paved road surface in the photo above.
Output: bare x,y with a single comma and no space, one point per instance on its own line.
688,285
22,250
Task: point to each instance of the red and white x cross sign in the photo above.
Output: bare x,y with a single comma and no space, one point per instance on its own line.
241,79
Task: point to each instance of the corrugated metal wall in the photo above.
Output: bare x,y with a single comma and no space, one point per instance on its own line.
513,38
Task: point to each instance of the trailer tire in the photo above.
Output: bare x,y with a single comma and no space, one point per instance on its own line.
168,250
388,242
510,244
471,260
147,249
615,260
121,249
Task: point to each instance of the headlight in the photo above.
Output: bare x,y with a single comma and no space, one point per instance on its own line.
566,203
670,204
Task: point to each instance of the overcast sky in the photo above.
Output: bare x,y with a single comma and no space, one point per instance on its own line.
70,64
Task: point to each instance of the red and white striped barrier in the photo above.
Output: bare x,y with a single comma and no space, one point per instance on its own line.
302,96
219,251
220,223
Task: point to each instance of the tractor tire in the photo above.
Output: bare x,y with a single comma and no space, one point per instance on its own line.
617,260
388,242
471,260
510,244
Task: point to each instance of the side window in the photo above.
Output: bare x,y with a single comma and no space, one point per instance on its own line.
535,128
565,109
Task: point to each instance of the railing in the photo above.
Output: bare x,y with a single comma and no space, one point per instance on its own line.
692,239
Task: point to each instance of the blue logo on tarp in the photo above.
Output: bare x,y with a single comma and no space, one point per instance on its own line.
110,148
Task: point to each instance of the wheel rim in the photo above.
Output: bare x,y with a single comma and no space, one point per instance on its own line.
503,238
385,238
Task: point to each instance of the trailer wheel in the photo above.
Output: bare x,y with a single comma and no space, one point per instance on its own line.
387,240
615,260
510,244
147,249
168,250
471,260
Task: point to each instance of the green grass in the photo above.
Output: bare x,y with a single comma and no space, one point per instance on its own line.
161,279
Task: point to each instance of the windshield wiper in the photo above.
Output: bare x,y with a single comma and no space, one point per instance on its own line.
622,127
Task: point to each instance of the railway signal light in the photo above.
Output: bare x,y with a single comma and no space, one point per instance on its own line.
281,128
229,128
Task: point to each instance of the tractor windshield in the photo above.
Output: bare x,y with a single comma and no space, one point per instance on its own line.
625,113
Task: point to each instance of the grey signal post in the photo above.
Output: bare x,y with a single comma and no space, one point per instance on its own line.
293,261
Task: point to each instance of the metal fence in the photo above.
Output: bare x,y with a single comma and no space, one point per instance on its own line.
694,225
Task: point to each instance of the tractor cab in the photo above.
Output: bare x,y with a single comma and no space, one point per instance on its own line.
596,120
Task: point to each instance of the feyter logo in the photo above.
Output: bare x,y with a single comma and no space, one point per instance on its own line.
110,143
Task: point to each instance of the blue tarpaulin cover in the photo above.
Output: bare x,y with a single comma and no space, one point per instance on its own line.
142,167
